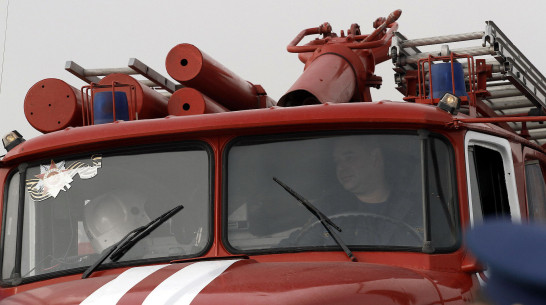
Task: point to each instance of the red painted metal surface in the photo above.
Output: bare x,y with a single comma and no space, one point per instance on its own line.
254,282
194,68
390,115
188,101
51,104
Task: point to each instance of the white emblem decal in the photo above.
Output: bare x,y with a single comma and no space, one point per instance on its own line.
56,178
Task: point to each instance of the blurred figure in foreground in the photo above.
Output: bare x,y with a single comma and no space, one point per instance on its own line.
515,255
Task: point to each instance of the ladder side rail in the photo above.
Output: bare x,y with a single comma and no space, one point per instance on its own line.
152,75
507,45
528,86
79,72
521,71
397,52
523,68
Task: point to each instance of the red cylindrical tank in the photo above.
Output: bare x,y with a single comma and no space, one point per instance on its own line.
329,79
193,68
188,101
149,103
334,74
52,104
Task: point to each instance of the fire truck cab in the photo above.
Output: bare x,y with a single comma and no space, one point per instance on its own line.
203,190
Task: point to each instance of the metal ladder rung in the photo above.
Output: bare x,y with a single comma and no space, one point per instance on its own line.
106,71
135,67
148,83
530,126
513,111
441,39
399,79
472,51
538,134
496,67
498,83
508,103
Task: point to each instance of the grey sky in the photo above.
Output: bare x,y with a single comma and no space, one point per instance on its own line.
248,37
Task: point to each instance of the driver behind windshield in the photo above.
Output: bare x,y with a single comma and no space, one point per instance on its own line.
379,202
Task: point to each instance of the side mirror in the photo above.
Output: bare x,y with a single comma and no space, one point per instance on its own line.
471,265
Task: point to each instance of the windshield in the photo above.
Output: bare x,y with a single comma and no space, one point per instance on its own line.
73,209
370,185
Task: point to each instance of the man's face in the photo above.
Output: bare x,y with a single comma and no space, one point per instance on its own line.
357,165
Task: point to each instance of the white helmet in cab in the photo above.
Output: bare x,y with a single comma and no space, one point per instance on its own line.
109,217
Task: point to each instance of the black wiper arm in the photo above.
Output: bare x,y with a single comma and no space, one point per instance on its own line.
106,253
324,220
116,251
142,232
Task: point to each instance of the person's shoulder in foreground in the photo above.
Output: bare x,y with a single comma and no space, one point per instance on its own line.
515,255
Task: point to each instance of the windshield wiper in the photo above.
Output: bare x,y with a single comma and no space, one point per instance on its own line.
116,251
324,220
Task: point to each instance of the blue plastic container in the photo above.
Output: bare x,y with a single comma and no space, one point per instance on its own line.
441,79
102,107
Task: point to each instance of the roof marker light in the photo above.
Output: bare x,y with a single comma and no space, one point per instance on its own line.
450,103
12,139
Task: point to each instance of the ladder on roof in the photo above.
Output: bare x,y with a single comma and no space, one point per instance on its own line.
150,77
515,86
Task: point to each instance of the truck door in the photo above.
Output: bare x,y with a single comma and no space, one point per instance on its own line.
490,174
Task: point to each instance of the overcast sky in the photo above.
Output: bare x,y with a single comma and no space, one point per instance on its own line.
248,37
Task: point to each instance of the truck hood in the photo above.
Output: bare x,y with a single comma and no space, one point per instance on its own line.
243,282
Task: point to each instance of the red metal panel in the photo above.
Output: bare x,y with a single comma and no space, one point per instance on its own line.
380,114
297,282
249,282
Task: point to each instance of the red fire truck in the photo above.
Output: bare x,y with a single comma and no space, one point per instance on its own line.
204,190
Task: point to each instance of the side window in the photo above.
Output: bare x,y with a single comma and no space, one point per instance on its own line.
10,227
536,191
488,179
492,188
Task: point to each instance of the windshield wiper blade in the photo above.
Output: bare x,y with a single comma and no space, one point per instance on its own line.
116,251
324,220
